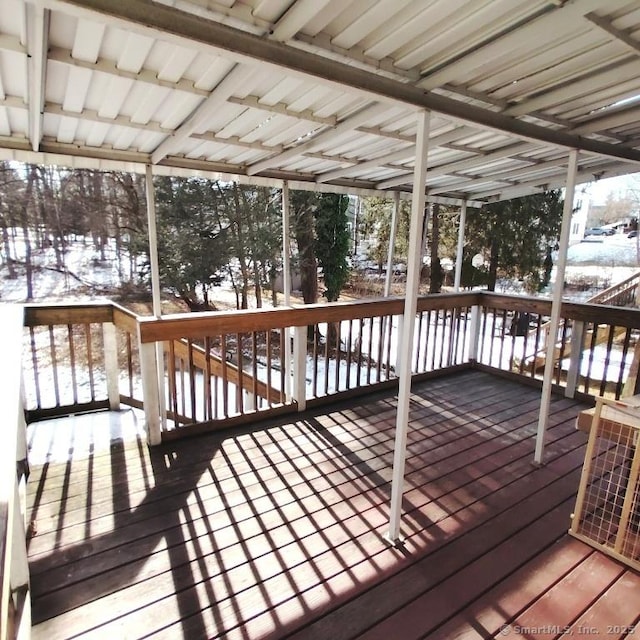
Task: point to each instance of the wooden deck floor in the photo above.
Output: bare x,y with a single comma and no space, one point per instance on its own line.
278,532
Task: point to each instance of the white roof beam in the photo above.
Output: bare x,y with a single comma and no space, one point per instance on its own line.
172,24
196,122
37,22
64,56
409,152
348,124
622,36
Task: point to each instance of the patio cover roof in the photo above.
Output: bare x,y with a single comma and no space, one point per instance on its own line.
325,93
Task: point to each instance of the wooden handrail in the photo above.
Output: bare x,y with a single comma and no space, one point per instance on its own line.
609,295
199,325
584,311
38,315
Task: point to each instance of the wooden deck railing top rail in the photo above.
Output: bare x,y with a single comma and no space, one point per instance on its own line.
246,321
624,292
584,311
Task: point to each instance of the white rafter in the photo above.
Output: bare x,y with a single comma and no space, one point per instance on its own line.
408,152
197,120
350,123
557,21
463,165
37,23
622,36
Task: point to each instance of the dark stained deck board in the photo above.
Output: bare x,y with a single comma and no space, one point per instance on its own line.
360,446
321,483
139,484
278,532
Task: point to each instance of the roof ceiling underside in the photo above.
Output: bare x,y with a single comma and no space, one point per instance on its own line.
326,92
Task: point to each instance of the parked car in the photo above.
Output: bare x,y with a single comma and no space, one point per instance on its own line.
595,231
632,234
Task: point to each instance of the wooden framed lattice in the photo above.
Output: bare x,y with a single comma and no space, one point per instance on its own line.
607,511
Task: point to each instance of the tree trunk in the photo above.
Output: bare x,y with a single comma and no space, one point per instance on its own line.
435,280
6,242
493,265
24,219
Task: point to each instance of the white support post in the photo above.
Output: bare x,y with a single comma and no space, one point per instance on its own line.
110,341
575,358
300,367
556,304
410,308
150,391
286,285
153,242
392,243
474,330
460,252
155,293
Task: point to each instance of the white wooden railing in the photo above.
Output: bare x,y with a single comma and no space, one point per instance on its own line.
15,611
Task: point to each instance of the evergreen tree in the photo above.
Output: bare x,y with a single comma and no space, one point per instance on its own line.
192,244
332,243
376,226
517,236
303,206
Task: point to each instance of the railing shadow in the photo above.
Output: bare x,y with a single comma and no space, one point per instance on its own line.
226,531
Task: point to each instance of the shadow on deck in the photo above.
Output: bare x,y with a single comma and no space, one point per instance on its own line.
276,531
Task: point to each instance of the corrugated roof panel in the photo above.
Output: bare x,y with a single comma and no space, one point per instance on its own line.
339,105
298,133
244,156
57,78
270,10
117,89
211,151
210,70
274,125
372,17
129,49
314,98
245,123
402,27
66,130
451,31
75,94
13,80
11,17
5,126
97,134
62,29
502,84
281,90
87,40
301,165
175,64
544,63
174,111
520,63
598,99
150,140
